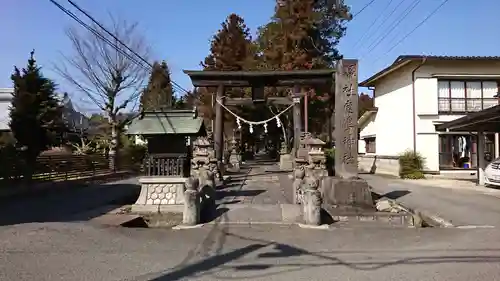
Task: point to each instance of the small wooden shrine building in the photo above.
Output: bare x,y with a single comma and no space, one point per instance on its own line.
169,135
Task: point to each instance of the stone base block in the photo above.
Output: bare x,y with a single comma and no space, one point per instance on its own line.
160,194
150,209
346,193
286,162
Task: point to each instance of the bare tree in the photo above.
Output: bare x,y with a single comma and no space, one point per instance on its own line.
108,75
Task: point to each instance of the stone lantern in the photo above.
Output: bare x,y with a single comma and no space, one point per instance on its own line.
234,158
316,158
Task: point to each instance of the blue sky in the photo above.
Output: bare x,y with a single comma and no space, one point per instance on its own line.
179,31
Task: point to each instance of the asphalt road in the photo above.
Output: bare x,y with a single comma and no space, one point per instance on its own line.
461,207
69,204
79,251
49,240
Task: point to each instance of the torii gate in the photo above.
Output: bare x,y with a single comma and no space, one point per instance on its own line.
344,78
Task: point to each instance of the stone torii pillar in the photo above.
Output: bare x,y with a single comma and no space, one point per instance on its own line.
297,119
219,129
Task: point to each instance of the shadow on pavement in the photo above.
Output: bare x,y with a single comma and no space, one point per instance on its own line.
214,260
395,194
74,203
236,193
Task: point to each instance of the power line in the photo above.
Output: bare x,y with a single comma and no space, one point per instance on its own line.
118,40
362,9
175,86
99,36
416,27
384,21
95,32
393,26
371,25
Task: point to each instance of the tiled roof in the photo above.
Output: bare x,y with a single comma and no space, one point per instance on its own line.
166,122
419,57
405,59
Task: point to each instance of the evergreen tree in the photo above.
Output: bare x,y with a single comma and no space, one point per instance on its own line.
159,93
302,34
35,113
231,48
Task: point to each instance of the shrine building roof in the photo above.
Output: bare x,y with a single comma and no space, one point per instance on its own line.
207,78
166,122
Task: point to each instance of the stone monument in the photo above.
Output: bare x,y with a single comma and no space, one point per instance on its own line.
346,189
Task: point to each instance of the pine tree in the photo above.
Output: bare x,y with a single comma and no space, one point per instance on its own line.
158,93
35,113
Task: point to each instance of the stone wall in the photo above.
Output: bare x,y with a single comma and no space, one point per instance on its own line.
376,164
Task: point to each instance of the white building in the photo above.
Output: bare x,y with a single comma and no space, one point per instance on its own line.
416,93
74,119
5,99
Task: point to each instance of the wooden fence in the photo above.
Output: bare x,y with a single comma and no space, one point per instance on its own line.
167,164
58,167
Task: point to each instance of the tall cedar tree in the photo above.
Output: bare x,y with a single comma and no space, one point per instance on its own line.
231,49
303,34
35,113
159,93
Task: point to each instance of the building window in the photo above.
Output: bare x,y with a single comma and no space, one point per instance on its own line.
459,97
458,151
370,145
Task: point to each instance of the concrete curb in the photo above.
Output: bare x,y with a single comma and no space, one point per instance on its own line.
246,223
319,227
182,227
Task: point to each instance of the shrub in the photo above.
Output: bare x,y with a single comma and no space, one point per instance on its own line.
12,163
330,154
330,161
411,165
132,156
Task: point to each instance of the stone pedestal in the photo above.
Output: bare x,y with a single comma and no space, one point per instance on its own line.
160,194
192,208
311,201
286,162
347,193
